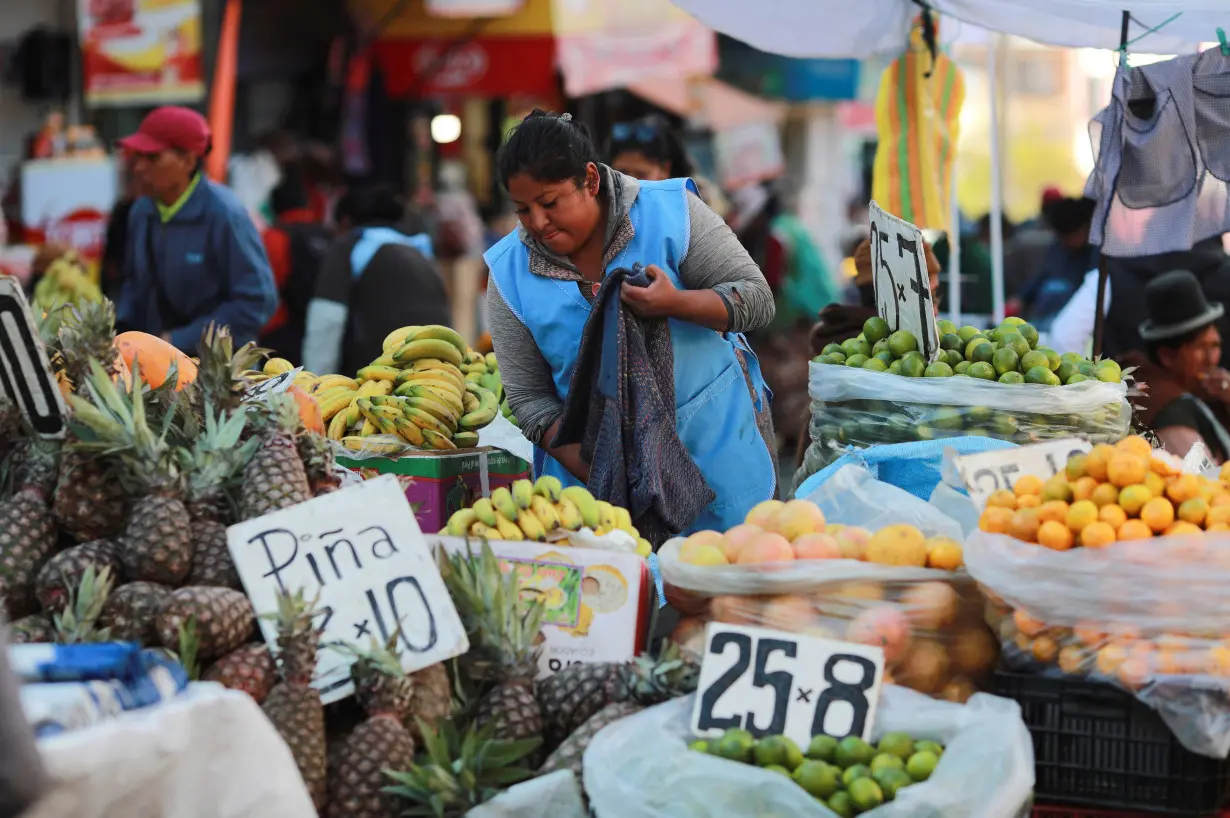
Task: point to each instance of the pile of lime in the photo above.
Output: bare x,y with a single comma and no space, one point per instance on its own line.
1008,354
849,776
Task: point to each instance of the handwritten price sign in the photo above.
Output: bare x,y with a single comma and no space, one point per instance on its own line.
902,285
25,374
988,472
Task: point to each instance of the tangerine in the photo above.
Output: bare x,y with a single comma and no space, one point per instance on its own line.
1028,485
1026,624
1056,488
1181,528
995,520
945,554
1135,672
1133,498
1217,527
1110,658
1028,501
1183,488
1133,530
1045,649
1071,659
1055,535
1097,535
1194,510
1220,498
1056,510
1113,514
1158,514
1080,514
1002,499
1083,488
1224,474
1125,469
1162,466
1104,494
1155,483
1089,634
1024,525
1075,467
1135,444
1097,460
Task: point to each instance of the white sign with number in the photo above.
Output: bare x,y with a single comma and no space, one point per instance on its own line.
25,374
770,682
988,472
902,284
361,549
272,386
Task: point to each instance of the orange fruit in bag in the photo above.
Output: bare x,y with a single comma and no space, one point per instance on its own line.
1125,469
1113,514
1053,511
1029,485
1055,536
899,544
1134,530
1002,499
1105,494
1158,514
1135,444
1097,535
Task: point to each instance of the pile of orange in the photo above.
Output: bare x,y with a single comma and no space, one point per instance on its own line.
1112,494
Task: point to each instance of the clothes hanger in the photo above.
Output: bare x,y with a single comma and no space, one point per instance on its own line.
1221,41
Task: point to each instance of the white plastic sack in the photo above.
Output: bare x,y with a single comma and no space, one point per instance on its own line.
557,795
640,767
502,434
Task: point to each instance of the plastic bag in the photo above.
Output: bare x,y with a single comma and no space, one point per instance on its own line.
929,622
640,767
860,408
556,794
1151,616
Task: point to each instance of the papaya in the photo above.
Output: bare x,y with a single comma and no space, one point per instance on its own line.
156,357
309,409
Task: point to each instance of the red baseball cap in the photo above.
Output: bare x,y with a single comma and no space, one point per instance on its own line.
170,128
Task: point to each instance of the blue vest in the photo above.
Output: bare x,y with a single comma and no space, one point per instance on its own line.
714,409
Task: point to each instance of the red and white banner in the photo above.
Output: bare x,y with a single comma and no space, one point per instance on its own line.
145,52
67,201
473,8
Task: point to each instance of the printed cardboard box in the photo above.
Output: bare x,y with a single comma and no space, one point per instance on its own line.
439,483
597,600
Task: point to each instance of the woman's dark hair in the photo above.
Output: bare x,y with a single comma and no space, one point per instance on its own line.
1068,215
547,147
653,137
1152,348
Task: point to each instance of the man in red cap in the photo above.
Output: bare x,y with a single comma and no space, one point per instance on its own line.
194,257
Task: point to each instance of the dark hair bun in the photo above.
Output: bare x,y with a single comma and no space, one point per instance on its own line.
548,147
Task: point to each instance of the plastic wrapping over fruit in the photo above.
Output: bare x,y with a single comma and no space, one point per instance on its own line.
854,407
929,622
641,767
1152,616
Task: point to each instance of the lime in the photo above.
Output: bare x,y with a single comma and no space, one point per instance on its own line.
838,357
1004,426
901,342
866,794
921,765
829,349
946,417
777,768
895,367
854,346
1066,370
1014,341
1052,358
862,337
1034,358
981,370
1004,360
1012,377
1108,371
951,341
1072,358
851,774
898,744
962,368
857,359
925,432
823,359
700,745
913,367
852,750
1012,321
887,761
876,328
913,353
980,350
1041,375
952,356
946,327
978,414
817,778
777,750
877,365
842,805
880,346
1030,333
892,782
735,744
967,332
822,748
885,356
1087,369
1077,378
925,746
939,369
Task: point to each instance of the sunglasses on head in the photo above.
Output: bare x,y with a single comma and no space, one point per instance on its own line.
642,132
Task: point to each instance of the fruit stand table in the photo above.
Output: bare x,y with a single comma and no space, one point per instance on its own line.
210,753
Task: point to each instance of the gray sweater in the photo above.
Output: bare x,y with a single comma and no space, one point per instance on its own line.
715,260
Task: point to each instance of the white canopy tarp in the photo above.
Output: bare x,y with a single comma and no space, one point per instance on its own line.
838,28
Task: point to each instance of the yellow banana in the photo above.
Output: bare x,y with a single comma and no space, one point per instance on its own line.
459,524
368,429
438,441
545,512
305,380
376,444
469,402
643,548
435,365
569,515
369,388
391,401
437,390
433,407
378,416
531,526
409,432
326,382
437,332
277,366
379,373
508,529
522,493
397,338
502,499
426,422
485,413
477,368
606,517
492,364
338,426
483,530
485,511
385,360
585,503
428,348
549,487
465,440
623,519
334,401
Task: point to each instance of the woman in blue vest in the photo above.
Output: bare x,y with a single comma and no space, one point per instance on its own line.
581,219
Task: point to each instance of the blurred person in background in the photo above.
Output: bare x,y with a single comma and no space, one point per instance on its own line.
378,275
115,241
650,149
194,256
1067,260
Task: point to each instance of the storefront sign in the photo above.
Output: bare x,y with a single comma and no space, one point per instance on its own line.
25,375
141,51
902,285
68,201
486,66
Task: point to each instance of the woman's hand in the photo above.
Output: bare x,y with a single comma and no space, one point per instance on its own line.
1216,384
659,300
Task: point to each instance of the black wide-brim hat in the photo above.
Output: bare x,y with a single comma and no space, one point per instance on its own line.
1176,305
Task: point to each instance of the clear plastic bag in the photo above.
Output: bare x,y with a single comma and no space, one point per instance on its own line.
929,622
640,767
1151,616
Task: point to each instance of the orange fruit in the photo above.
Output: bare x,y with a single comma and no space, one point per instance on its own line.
1180,528
1219,660
1135,672
1083,487
1056,488
1030,484
1056,510
1183,488
1133,530
1220,498
1163,467
1003,499
995,520
1071,659
1156,484
1224,474
1055,535
1096,460
1045,649
1194,510
1028,501
1213,528
1075,467
1089,634
1097,535
1113,514
1024,524
1104,494
946,555
1158,514
1124,469
1026,624
1133,498
1080,514
1218,514
1135,444
1110,658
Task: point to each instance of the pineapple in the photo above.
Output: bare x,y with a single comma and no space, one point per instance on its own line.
32,628
157,544
275,478
131,612
317,455
433,698
249,668
569,755
220,373
578,692
222,618
504,628
460,772
293,705
78,622
28,535
382,742
64,569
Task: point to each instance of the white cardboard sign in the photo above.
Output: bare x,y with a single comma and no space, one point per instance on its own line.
25,374
362,550
272,386
903,288
988,472
770,682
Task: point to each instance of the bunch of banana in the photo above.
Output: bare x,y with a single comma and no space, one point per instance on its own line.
536,511
415,394
279,366
483,370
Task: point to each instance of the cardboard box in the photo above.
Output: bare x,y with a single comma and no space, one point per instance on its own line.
439,483
597,600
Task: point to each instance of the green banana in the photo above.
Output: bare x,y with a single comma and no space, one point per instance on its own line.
459,524
507,528
531,526
548,486
545,512
569,515
485,511
465,440
585,503
492,364
523,493
485,413
502,500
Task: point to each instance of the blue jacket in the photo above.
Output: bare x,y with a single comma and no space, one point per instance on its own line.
207,264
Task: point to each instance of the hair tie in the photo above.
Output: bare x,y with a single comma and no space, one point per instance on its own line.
565,117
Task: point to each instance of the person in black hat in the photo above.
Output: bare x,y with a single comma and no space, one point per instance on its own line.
1188,395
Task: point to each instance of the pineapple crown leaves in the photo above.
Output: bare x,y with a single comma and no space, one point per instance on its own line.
221,370
189,648
87,333
460,772
495,613
216,458
76,623
668,675
382,657
295,613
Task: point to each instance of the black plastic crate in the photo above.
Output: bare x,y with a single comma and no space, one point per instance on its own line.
1096,745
